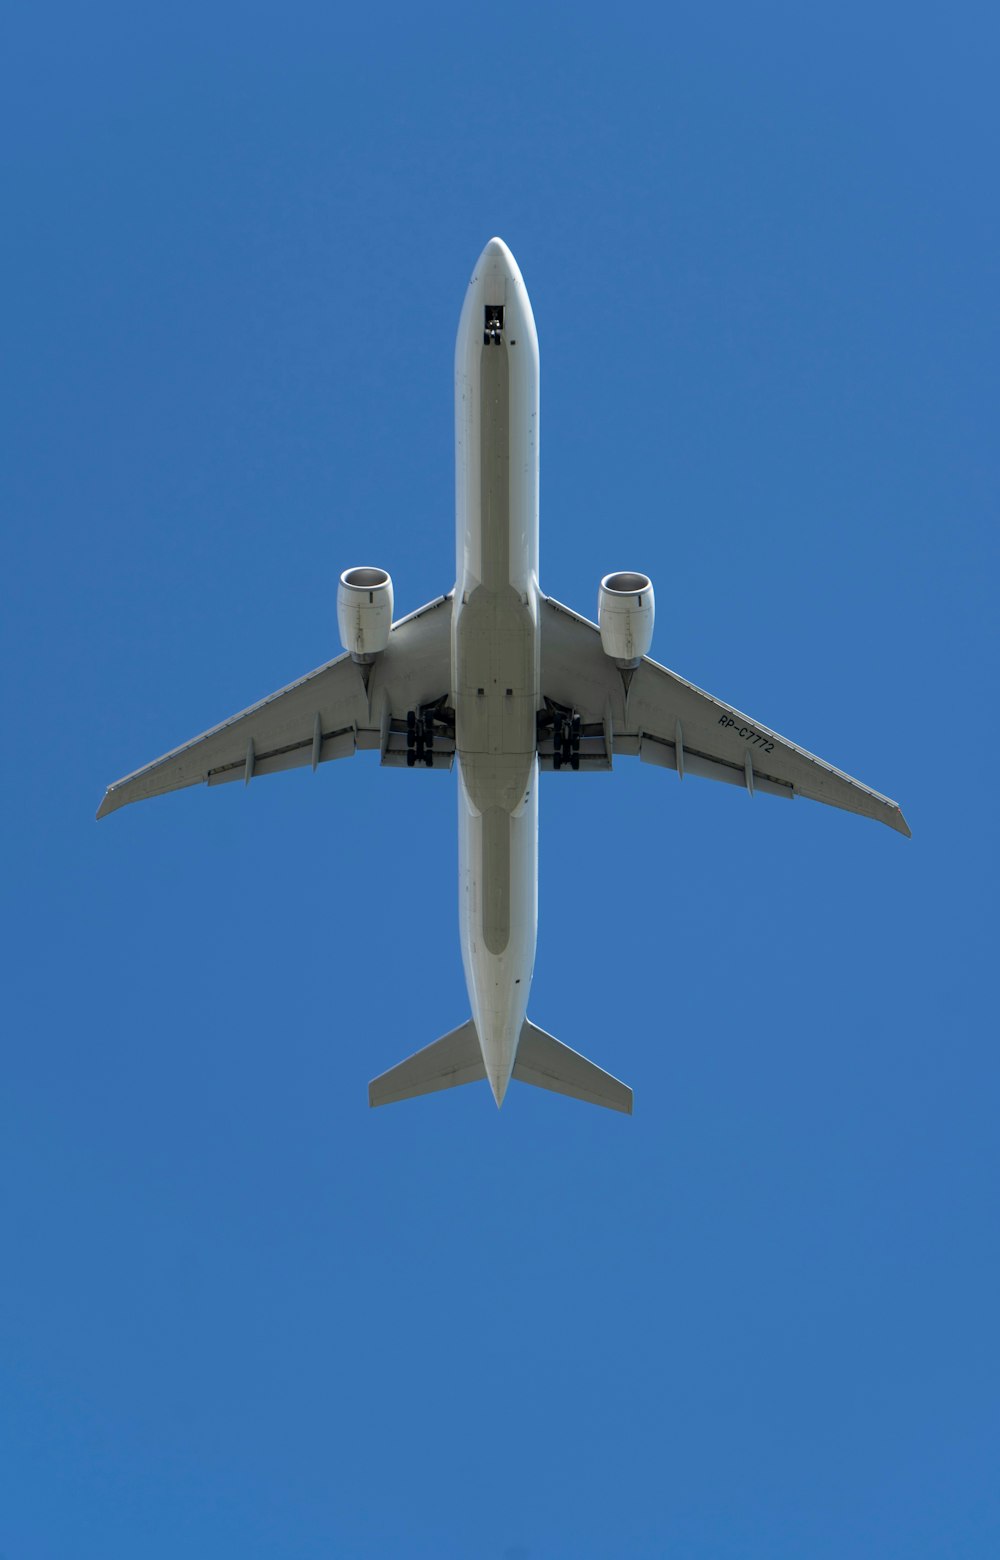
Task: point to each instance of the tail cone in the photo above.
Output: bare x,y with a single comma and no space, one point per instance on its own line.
499,1079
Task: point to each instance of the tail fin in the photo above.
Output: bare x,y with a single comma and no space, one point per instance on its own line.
548,1064
454,1059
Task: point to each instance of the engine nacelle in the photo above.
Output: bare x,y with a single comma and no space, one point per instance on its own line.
364,612
625,608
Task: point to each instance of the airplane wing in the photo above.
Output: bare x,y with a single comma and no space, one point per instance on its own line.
396,706
659,717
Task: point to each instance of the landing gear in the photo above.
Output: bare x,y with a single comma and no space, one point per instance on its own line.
566,729
492,324
420,728
566,741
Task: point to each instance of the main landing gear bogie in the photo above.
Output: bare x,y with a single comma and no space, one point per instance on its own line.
420,729
566,742
565,727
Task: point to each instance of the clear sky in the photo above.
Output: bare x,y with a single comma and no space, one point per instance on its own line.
243,1316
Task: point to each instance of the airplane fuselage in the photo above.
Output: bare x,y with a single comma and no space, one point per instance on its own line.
509,681
496,651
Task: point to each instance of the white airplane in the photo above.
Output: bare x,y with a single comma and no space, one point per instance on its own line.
512,683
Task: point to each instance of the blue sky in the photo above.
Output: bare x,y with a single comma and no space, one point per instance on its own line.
241,1315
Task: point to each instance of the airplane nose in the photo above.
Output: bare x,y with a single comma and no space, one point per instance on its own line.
496,308
497,253
496,266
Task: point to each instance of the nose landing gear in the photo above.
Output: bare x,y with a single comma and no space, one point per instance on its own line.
492,324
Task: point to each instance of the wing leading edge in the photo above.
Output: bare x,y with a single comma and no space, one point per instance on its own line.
662,719
330,713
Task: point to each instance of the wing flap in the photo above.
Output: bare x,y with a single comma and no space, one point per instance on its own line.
339,744
653,750
330,713
281,728
657,714
715,733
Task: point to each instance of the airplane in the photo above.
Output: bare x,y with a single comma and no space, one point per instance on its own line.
510,682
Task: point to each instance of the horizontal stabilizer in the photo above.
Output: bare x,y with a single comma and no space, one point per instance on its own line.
548,1064
454,1059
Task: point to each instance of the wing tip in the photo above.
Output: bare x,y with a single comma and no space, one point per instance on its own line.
899,823
108,804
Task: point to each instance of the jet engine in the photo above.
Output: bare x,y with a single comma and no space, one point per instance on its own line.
364,612
625,607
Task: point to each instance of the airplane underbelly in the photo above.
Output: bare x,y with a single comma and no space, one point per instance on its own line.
495,663
498,887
